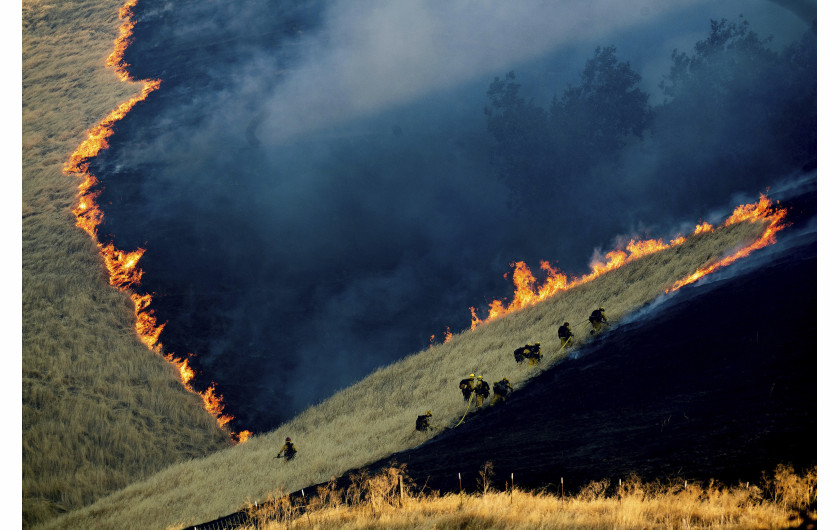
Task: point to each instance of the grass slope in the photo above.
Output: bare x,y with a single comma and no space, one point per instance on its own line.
99,410
375,417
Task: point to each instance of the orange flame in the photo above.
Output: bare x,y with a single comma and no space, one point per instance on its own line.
214,405
97,138
760,211
122,266
242,436
447,336
524,282
187,373
117,57
702,228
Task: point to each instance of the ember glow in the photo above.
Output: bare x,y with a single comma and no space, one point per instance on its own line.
527,293
123,270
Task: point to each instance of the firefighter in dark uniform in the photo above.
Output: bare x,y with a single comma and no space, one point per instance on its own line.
501,390
597,318
288,452
482,391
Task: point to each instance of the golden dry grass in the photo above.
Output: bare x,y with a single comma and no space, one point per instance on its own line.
375,417
781,500
99,411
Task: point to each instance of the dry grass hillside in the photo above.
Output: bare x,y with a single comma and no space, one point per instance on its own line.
375,417
99,410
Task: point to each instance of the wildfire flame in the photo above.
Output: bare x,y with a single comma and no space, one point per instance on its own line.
527,293
97,139
117,57
447,336
122,266
760,211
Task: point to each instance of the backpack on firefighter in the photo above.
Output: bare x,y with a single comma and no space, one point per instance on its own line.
530,352
422,424
501,390
288,451
520,354
467,386
598,317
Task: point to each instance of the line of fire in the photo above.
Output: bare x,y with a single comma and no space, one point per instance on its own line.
527,293
124,272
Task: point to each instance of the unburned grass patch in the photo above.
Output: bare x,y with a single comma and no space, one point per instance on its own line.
374,501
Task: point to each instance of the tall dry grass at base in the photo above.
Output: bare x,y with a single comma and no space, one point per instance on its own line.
375,417
99,410
782,500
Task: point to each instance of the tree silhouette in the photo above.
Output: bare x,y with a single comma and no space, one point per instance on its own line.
540,152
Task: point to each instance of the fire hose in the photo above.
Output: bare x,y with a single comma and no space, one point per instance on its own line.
469,402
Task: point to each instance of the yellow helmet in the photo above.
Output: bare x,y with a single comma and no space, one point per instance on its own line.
479,377
600,309
428,413
472,375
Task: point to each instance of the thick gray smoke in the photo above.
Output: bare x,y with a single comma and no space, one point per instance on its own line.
315,187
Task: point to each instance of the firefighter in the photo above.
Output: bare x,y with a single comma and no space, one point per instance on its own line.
467,386
564,333
501,390
597,318
522,353
482,391
536,355
422,423
288,452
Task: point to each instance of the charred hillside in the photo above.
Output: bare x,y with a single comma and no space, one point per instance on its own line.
717,381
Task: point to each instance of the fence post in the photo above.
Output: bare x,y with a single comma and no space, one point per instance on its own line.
305,507
460,489
511,488
562,489
401,490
